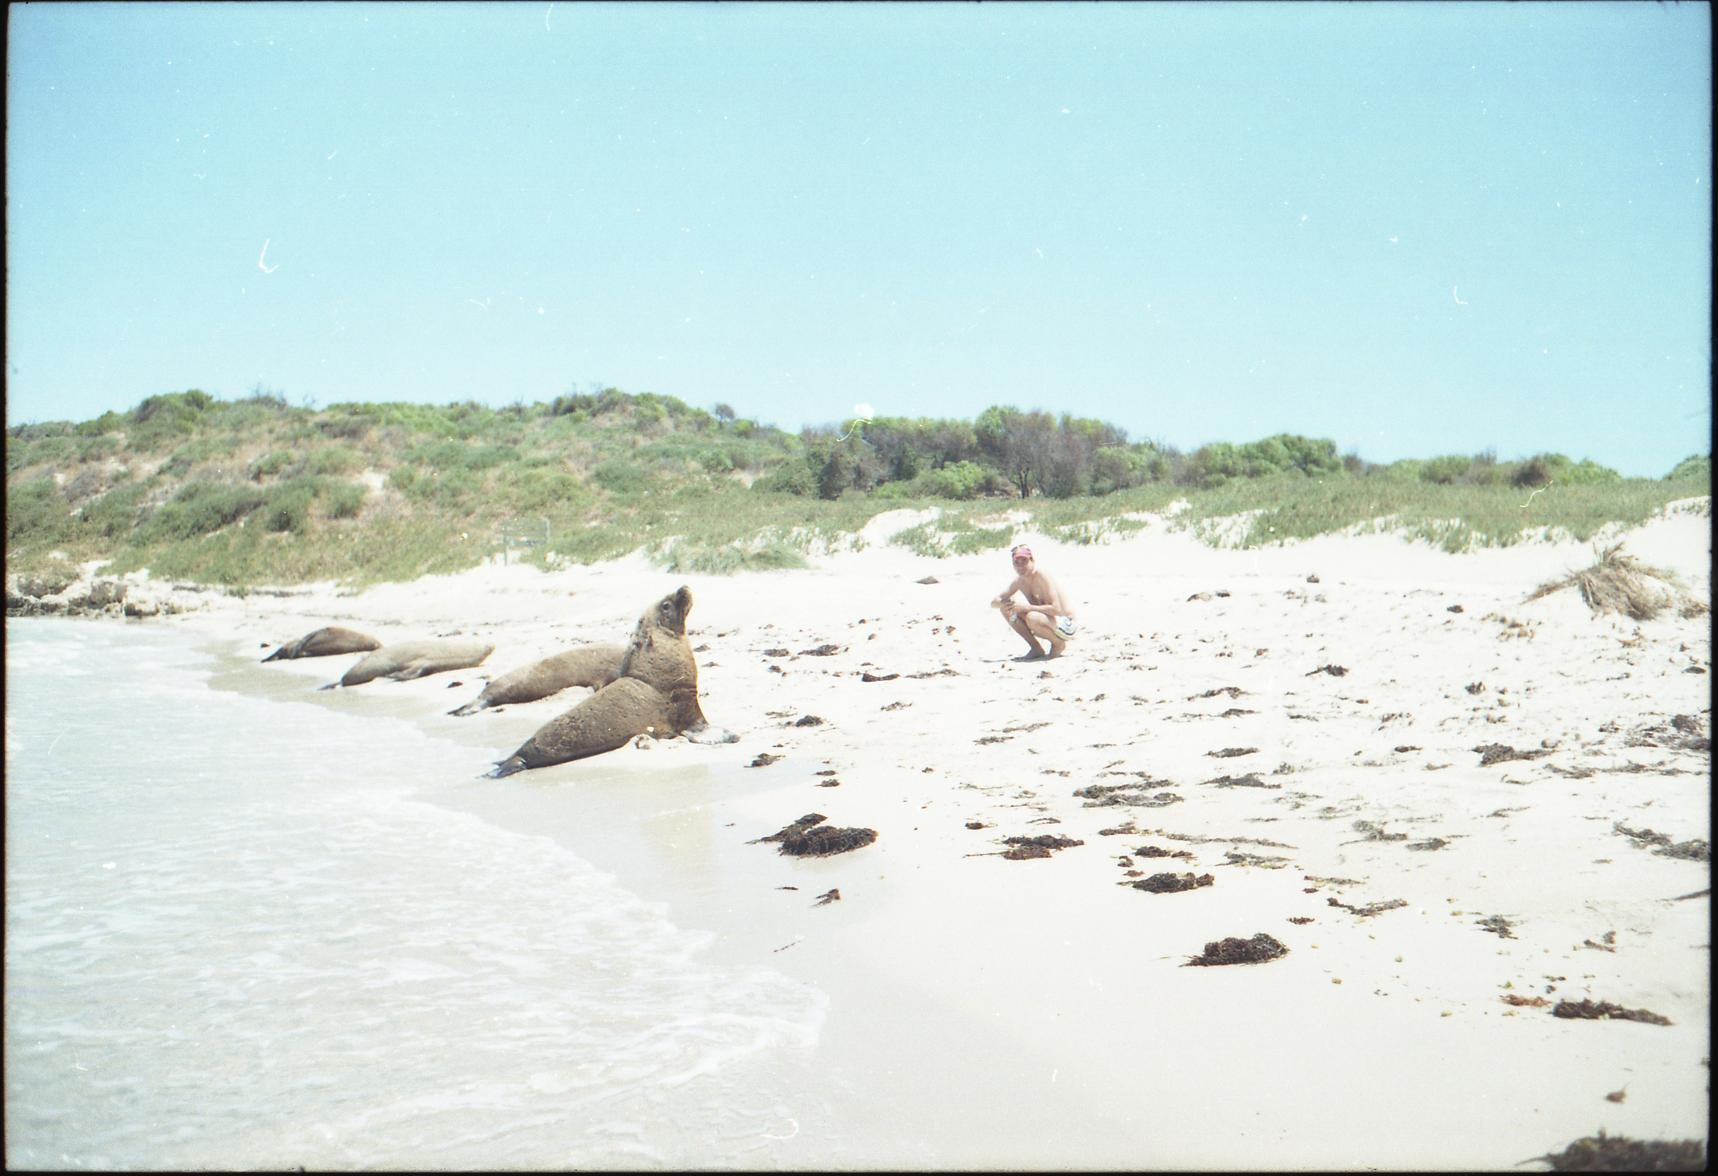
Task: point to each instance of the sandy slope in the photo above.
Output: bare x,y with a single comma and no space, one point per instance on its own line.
992,1013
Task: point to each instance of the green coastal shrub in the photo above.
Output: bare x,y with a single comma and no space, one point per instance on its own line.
344,500
333,460
114,515
1695,467
36,512
287,507
200,508
269,464
961,480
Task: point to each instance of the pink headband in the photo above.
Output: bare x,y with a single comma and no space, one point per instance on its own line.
1022,550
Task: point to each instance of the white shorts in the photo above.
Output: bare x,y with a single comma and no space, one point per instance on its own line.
1065,626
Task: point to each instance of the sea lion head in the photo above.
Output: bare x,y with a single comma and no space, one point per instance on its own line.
671,611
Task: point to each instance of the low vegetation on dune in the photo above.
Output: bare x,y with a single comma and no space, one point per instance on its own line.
256,491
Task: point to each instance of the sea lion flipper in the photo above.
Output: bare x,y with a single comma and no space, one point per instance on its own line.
276,655
506,768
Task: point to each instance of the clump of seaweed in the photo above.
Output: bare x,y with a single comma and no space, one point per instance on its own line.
1682,734
1157,851
1135,794
1496,753
1170,883
1618,1153
1041,846
1250,780
810,837
1619,583
1693,850
1370,909
1604,1010
1497,925
1256,950
1265,861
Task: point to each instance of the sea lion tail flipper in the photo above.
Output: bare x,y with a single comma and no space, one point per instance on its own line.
329,686
277,654
506,768
469,708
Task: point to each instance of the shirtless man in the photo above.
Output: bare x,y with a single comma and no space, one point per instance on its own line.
1047,613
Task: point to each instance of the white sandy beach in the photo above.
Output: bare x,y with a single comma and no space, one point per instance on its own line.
996,1013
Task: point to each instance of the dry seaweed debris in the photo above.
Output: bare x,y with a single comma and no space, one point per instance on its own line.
1497,753
1170,883
1619,583
1134,794
1022,848
1618,1153
1250,780
1157,851
1257,950
1693,850
1370,909
1604,1010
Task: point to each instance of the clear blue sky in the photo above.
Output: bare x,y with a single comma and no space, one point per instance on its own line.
1412,228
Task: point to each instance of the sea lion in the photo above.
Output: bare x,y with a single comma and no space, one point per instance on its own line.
413,659
594,666
324,642
655,694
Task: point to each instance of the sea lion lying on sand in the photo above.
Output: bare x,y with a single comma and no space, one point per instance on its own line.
594,666
656,694
413,659
324,642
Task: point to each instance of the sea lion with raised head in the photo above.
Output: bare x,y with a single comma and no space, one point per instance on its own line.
325,643
594,666
656,694
413,659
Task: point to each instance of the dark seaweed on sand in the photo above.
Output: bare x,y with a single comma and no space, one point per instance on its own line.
1135,794
1604,1010
1695,850
1497,753
809,837
1256,950
1171,883
1618,1153
1041,846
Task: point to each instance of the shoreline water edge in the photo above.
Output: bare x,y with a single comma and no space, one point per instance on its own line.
1474,821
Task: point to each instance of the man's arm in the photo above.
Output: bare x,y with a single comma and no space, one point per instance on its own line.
1004,596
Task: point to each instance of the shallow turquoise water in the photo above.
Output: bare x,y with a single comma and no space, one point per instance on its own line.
222,953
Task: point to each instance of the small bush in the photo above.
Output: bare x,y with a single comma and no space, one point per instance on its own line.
621,477
36,512
288,507
334,460
114,514
1696,467
961,480
1444,471
792,477
269,464
345,499
200,508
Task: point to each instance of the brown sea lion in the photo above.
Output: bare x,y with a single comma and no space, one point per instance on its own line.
324,642
413,659
594,666
656,694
